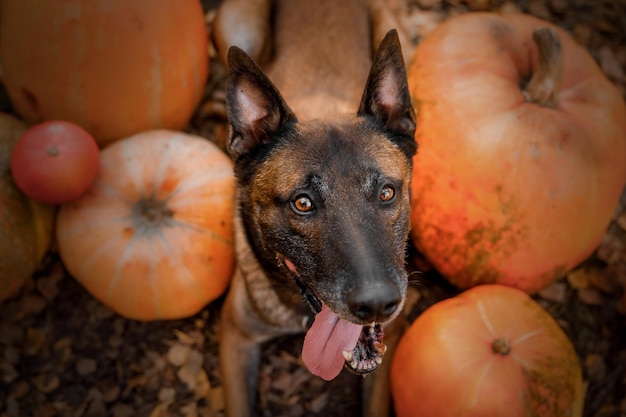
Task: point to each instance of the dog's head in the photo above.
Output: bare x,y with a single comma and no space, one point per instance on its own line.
329,199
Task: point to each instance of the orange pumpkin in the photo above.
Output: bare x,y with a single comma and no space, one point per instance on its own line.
152,239
491,351
512,185
115,67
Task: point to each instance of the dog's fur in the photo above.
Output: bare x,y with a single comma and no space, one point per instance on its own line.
314,212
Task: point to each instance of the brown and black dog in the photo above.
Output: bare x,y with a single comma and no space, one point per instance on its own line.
322,147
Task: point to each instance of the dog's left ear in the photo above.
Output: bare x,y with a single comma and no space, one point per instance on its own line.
256,110
386,97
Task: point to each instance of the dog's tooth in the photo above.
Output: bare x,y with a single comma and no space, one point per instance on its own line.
379,360
347,355
371,328
382,348
354,364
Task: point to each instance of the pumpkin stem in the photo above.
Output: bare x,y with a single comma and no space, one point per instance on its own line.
150,213
52,150
545,83
501,346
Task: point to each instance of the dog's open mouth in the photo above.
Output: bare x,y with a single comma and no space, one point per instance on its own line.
368,353
333,343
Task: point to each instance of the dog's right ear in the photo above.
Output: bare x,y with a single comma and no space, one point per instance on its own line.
386,97
256,110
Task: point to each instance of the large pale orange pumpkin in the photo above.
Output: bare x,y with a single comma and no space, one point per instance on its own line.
115,67
522,150
25,226
152,239
491,351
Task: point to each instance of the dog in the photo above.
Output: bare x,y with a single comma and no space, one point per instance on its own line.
321,133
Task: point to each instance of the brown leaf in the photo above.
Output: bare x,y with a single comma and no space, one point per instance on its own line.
167,395
178,354
187,377
12,354
19,389
46,383
183,337
578,278
216,398
46,410
189,410
611,249
595,367
86,366
283,382
123,410
35,340
318,403
111,393
159,411
48,286
203,385
603,280
11,333
8,372
96,407
590,296
555,292
32,304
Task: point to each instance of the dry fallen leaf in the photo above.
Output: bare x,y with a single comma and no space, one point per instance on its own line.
591,296
122,410
178,354
578,278
46,383
86,366
555,292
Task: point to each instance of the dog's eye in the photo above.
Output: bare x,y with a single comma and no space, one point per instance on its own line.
387,194
302,204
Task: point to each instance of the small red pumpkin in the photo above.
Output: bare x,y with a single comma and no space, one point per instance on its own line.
55,162
491,351
153,239
512,185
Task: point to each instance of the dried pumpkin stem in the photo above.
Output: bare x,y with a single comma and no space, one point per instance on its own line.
149,214
545,83
53,151
501,346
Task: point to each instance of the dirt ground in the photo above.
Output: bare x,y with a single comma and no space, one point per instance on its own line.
64,354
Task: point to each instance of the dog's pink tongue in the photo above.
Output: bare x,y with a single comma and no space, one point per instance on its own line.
326,339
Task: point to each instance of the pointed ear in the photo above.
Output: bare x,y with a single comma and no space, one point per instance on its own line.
256,110
386,97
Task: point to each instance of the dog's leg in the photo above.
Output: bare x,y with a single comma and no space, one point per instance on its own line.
246,24
239,358
239,351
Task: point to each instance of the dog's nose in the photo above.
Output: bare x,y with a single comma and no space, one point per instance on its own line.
374,303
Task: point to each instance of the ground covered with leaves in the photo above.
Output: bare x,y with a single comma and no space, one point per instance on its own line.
64,354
